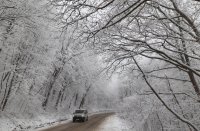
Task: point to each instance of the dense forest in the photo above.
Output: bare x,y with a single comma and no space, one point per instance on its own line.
139,58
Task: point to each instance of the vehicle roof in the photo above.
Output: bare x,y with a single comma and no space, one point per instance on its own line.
80,109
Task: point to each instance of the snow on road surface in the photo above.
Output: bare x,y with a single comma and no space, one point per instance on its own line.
113,123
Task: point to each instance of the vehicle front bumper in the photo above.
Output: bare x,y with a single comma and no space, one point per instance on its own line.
79,117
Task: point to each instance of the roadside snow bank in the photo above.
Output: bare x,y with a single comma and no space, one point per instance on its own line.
9,122
114,123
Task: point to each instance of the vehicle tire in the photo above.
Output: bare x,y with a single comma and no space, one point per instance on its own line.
74,120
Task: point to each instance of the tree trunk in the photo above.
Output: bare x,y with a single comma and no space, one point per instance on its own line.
84,96
50,87
185,59
58,99
76,98
7,91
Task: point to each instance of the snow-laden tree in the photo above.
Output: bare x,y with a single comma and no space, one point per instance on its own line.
131,32
42,68
19,43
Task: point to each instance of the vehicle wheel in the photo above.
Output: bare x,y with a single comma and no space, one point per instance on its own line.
73,120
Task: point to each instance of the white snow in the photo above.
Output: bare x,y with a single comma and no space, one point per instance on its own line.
114,123
9,122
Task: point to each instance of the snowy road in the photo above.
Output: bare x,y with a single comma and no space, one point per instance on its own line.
99,122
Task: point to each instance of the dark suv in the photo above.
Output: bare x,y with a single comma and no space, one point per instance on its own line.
80,114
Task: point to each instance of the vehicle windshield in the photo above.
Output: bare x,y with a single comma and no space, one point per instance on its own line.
79,111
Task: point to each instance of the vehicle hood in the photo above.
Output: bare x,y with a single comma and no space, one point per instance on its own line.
79,114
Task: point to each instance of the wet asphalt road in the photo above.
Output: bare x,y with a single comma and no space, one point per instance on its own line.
91,125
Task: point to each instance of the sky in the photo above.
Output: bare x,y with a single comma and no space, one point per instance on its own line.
114,84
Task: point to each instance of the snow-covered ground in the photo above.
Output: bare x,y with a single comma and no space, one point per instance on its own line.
10,122
114,123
